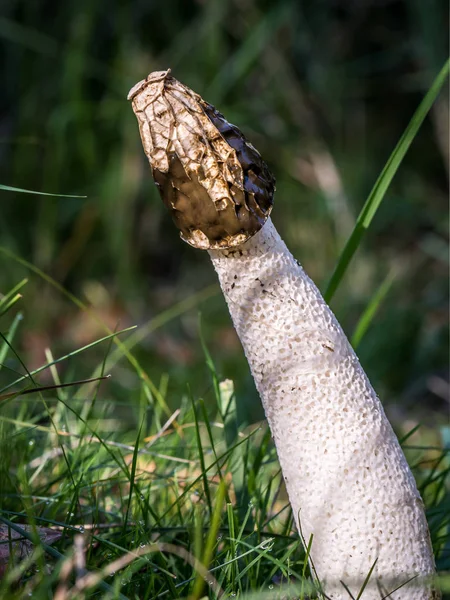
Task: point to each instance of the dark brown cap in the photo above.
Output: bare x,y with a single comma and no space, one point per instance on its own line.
214,182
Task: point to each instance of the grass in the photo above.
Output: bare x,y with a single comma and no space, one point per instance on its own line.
139,483
191,504
144,493
381,185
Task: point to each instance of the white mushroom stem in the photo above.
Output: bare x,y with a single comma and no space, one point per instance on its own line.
348,481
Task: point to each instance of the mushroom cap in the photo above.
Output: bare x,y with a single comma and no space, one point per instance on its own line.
214,182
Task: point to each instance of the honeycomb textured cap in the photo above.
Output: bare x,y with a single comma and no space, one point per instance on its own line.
348,481
214,182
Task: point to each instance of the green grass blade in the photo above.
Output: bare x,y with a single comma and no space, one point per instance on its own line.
366,580
284,560
133,474
346,588
201,455
8,188
407,435
211,540
9,336
165,317
371,310
207,424
191,485
65,357
381,185
11,294
10,304
46,388
209,361
81,305
233,568
249,52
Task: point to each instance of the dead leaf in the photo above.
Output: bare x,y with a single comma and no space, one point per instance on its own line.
13,544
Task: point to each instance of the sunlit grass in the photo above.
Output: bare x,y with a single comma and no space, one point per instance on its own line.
180,505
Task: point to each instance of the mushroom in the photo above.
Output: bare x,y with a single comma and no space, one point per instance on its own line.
351,490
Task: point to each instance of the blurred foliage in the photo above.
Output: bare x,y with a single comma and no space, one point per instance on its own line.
323,89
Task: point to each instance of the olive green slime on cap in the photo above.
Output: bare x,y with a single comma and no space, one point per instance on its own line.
215,183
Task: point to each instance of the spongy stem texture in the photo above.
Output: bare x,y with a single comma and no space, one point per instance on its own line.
348,481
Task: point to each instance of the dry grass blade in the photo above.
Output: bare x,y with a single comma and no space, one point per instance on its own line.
91,580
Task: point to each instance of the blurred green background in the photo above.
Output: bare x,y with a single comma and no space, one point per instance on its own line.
323,89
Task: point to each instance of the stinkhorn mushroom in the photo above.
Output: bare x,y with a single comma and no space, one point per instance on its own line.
348,481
